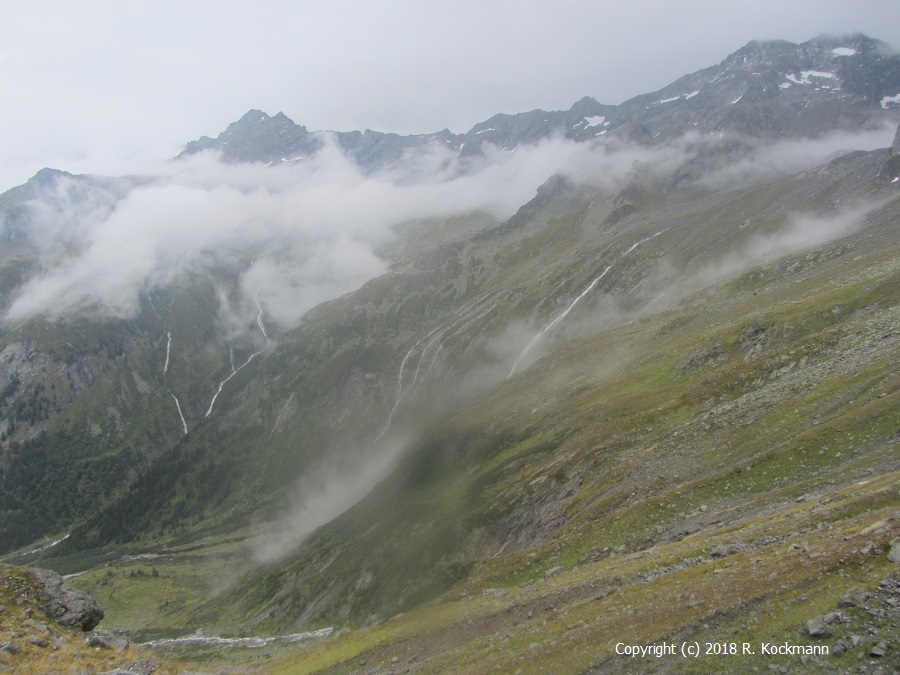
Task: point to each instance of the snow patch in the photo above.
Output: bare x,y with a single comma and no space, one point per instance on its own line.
594,121
843,51
784,85
806,74
888,100
691,95
740,97
484,131
668,100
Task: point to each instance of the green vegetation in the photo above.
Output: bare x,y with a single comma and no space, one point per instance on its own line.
704,450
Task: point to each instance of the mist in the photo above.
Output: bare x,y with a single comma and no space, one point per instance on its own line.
300,233
322,494
767,161
303,232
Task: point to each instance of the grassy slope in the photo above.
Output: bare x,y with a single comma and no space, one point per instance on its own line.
784,445
624,457
47,647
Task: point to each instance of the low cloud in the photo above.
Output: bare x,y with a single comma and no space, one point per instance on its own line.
303,232
324,493
300,233
767,161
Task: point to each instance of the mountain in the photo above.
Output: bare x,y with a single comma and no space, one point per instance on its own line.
770,90
655,400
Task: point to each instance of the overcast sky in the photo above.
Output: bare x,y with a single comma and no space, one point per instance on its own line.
111,87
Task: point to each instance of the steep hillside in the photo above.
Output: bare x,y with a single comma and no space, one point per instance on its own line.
688,367
656,401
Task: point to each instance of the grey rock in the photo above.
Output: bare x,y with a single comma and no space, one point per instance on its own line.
106,640
855,597
818,628
553,571
725,550
894,553
72,608
144,666
880,649
38,641
891,168
821,625
10,648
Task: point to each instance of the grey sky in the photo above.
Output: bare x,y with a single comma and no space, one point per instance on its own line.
100,86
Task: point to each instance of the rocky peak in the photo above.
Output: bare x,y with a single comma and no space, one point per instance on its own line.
257,137
48,177
767,89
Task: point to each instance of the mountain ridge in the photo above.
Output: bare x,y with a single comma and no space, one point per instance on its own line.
762,72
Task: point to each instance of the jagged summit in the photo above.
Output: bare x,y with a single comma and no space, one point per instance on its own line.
259,137
47,176
769,89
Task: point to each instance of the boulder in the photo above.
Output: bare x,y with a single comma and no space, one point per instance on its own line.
821,625
68,606
553,571
855,597
894,553
880,649
105,640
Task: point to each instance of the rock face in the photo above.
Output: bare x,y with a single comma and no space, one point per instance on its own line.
70,607
891,168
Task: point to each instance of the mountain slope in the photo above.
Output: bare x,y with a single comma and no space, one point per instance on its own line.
682,348
549,457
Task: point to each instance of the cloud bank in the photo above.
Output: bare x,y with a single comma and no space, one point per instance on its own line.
305,232
301,233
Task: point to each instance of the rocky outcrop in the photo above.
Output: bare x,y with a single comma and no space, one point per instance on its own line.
70,607
891,168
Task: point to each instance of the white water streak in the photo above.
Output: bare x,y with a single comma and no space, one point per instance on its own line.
180,414
235,371
168,348
166,384
150,299
46,546
251,642
568,309
259,321
281,414
399,395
